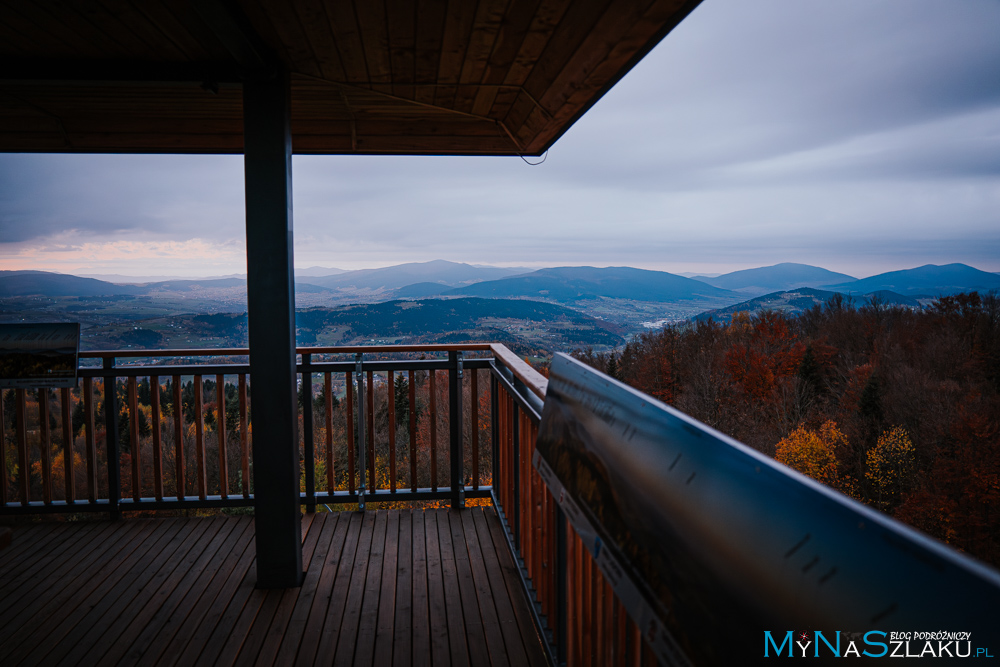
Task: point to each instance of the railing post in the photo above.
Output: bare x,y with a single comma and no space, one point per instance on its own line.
562,588
516,433
359,432
307,432
111,438
495,434
457,433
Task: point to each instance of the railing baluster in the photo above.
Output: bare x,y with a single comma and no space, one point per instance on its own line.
244,437
154,400
179,437
370,396
328,395
220,429
308,454
456,433
391,398
88,436
360,378
199,438
3,453
111,437
412,390
433,427
474,426
21,428
349,412
45,445
134,446
67,430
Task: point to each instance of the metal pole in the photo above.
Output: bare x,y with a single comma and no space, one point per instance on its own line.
457,434
111,437
267,146
359,432
307,432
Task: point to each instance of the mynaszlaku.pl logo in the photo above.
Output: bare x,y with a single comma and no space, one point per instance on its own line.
872,644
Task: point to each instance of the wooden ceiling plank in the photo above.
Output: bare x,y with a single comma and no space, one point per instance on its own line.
485,28
15,37
430,32
657,20
435,145
513,31
295,43
158,45
107,28
454,44
199,30
167,22
577,24
401,19
615,23
543,25
316,24
375,39
344,26
27,19
505,98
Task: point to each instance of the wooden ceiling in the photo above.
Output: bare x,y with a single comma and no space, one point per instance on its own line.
485,77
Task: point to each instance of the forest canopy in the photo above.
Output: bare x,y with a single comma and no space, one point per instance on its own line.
894,406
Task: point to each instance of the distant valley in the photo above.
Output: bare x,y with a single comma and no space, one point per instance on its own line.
545,309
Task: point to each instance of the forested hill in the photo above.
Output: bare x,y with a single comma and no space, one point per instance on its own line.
793,302
569,284
896,407
456,319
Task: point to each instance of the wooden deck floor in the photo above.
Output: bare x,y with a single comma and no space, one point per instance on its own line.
396,587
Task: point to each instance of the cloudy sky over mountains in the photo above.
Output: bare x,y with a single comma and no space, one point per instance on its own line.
860,136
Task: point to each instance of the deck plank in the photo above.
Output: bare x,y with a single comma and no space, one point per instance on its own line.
522,612
130,598
437,607
421,651
452,596
304,652
273,633
78,597
149,614
387,587
355,596
199,599
478,644
402,636
504,609
485,599
331,632
311,586
385,622
364,650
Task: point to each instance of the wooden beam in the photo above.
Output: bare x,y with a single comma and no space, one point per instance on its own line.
271,300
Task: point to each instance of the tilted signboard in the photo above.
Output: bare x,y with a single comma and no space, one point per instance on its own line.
723,556
39,355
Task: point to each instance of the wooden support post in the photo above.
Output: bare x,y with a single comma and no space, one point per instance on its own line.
267,146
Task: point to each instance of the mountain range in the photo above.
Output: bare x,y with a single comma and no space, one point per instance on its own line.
561,284
783,276
579,283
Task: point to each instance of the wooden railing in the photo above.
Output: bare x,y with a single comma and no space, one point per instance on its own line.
179,433
582,621
472,414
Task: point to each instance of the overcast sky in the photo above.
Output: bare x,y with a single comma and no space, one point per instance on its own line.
858,135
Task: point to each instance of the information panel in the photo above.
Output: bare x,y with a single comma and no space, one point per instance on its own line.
39,355
723,556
